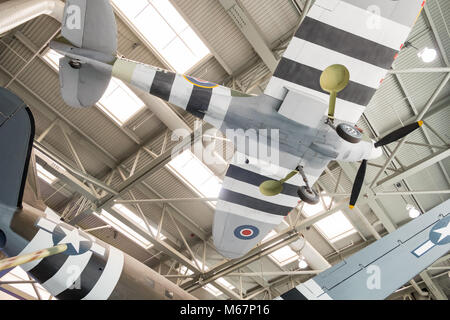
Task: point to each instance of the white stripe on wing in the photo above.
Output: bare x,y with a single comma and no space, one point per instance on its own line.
362,23
248,213
320,58
143,77
181,92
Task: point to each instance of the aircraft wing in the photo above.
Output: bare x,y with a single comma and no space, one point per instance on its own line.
363,35
244,216
377,271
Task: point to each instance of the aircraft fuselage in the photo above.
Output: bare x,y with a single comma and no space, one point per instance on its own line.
89,269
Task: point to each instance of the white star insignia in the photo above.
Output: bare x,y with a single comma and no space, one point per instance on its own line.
444,232
73,238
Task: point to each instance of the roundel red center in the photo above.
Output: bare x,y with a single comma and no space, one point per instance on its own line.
246,232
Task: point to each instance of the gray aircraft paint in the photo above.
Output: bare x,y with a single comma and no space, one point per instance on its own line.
324,34
378,270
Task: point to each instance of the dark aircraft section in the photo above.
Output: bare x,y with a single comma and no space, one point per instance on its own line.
16,141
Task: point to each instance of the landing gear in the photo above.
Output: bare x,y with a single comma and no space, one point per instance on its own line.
75,64
272,188
305,193
334,79
308,195
349,133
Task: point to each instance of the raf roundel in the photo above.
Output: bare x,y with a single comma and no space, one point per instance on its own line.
201,83
246,232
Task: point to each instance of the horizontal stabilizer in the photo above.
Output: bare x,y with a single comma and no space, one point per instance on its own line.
16,142
82,87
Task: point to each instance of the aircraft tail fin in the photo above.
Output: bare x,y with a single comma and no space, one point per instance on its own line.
89,39
90,25
16,142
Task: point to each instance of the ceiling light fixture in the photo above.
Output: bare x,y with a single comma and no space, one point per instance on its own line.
427,55
302,264
413,212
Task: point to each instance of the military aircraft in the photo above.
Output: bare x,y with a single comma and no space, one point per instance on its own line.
72,264
341,49
86,267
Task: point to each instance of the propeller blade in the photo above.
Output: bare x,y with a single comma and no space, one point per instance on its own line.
399,134
357,185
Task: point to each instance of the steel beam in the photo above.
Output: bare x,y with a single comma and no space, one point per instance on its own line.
276,273
58,159
419,117
420,70
395,193
249,29
437,292
414,168
175,200
436,35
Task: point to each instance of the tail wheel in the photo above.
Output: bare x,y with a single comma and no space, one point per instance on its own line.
349,133
308,195
75,64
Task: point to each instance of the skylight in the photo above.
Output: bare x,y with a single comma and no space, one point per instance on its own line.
45,175
118,102
52,57
335,227
225,283
284,255
212,290
166,30
124,229
18,274
196,174
130,214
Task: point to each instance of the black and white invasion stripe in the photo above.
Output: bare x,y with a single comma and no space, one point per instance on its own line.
345,32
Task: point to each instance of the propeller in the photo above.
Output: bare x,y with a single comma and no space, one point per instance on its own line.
392,137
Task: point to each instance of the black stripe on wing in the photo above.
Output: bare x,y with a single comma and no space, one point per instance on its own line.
162,84
308,77
253,203
256,179
199,101
346,43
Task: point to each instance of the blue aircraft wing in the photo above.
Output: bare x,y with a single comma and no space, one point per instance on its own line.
377,271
